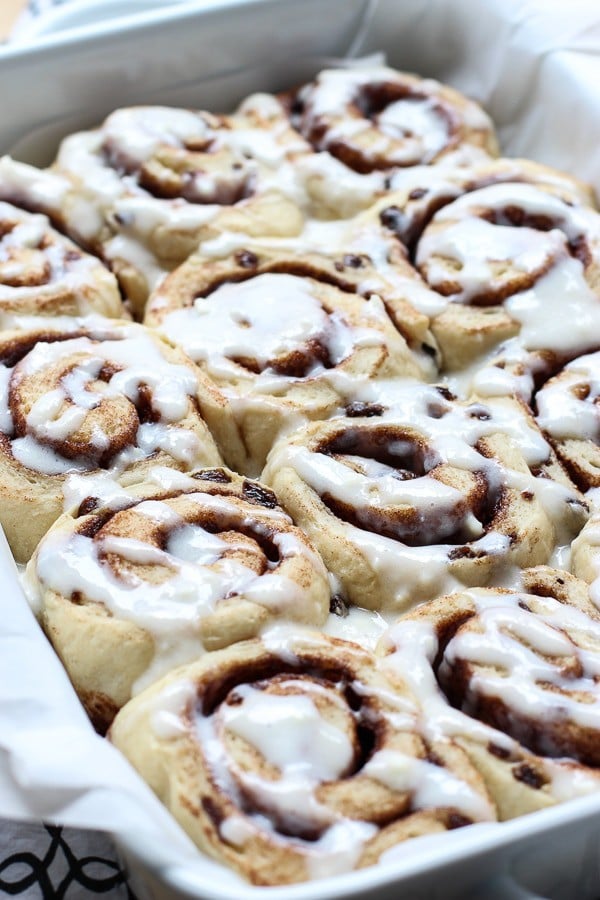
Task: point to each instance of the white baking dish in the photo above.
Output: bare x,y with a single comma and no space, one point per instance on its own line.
537,74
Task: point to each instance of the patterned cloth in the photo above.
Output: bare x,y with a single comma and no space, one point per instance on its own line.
52,863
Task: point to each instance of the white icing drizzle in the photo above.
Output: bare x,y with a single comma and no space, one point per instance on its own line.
263,319
290,733
101,485
414,649
377,489
57,414
196,568
136,133
412,129
541,310
110,162
336,187
408,118
362,626
43,459
503,372
511,655
292,795
170,707
476,244
567,405
339,237
431,785
477,248
453,436
125,248
44,188
33,250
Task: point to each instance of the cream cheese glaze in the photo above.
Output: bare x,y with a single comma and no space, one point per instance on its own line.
56,415
266,317
414,647
567,406
452,432
301,730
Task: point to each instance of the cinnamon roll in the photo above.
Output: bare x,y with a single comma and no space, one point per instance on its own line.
378,118
150,182
414,195
568,412
162,574
87,394
294,757
412,494
512,677
406,198
389,232
43,273
584,557
510,259
285,334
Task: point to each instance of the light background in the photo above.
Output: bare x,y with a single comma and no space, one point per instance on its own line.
9,10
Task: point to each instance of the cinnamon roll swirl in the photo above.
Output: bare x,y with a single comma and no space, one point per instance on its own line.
337,778
389,234
162,574
43,273
407,198
378,118
87,394
512,677
510,259
150,182
413,196
412,494
284,334
568,412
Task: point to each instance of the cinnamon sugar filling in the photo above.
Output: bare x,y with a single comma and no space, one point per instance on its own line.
404,456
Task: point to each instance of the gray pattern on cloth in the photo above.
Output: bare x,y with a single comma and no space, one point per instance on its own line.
53,863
